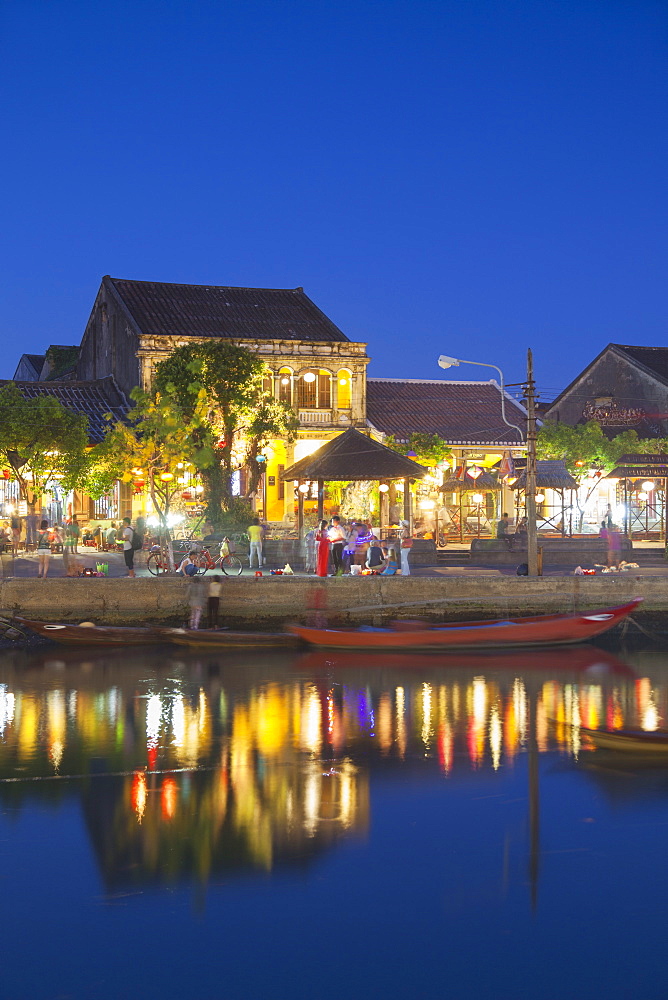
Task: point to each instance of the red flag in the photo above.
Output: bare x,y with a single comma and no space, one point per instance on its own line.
461,471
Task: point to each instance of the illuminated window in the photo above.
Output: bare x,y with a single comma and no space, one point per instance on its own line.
324,390
285,385
314,389
307,390
344,388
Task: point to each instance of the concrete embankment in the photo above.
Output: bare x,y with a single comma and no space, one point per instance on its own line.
267,603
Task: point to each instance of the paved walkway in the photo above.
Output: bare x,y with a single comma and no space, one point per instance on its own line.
25,565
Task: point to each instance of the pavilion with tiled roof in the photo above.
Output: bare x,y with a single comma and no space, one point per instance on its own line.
352,456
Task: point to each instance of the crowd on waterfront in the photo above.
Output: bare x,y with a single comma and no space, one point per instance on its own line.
336,548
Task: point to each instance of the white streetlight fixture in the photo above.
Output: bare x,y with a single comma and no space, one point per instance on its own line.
648,485
309,377
447,362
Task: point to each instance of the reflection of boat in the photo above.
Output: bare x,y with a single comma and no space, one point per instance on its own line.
576,660
96,635
535,631
633,740
223,639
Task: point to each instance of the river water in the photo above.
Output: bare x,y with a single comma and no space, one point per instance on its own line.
330,826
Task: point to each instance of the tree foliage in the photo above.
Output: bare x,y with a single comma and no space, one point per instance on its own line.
585,446
160,440
41,440
429,449
240,418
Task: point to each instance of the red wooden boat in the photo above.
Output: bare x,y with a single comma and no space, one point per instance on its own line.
541,630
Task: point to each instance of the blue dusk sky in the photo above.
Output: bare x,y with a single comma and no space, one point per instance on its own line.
470,178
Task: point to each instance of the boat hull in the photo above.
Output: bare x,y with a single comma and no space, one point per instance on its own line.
634,742
223,639
541,630
96,635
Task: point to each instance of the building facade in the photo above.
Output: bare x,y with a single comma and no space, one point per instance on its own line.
314,367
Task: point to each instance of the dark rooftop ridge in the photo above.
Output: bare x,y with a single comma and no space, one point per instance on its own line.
182,310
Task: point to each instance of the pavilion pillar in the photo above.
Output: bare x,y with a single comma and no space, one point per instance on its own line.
407,502
627,519
300,512
321,499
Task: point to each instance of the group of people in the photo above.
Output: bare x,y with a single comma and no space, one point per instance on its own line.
333,548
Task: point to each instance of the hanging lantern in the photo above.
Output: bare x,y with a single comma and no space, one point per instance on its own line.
474,471
166,476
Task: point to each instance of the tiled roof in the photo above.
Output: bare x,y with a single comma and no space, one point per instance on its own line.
459,412
354,456
551,474
653,358
93,399
172,310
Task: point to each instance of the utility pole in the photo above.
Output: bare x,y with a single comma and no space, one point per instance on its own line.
530,492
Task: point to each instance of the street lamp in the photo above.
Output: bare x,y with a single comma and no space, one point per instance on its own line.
530,493
446,362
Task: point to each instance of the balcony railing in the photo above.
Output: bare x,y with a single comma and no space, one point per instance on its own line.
315,416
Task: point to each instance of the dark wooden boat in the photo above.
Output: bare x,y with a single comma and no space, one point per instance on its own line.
540,630
628,740
95,635
227,639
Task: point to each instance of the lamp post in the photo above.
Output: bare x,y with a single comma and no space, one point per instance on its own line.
530,493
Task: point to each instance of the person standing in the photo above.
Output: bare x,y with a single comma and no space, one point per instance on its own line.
73,533
614,546
15,523
255,535
350,547
337,537
128,548
309,550
43,549
406,546
31,531
322,538
195,600
215,590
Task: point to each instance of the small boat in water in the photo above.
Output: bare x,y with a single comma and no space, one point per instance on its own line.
539,630
627,740
89,634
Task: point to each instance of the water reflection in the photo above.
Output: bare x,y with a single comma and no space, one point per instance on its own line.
188,767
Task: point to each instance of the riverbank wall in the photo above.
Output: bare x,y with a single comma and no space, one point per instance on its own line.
267,603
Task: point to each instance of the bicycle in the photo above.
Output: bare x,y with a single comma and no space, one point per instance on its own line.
230,563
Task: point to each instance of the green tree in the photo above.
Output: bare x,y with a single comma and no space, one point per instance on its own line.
586,447
241,415
160,439
429,449
41,440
